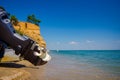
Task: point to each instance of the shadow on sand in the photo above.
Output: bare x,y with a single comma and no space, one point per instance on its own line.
11,64
14,64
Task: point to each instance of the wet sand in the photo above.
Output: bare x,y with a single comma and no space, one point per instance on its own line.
13,69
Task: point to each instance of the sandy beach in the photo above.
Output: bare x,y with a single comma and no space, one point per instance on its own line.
82,38
13,69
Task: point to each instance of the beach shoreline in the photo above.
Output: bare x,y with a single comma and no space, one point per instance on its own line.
11,68
61,67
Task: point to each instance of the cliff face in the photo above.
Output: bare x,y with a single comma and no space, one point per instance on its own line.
32,31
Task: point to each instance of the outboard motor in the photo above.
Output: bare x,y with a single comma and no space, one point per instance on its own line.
23,45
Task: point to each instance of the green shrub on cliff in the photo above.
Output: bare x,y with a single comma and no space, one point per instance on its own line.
33,19
13,20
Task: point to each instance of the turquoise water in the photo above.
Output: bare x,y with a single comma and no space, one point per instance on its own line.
105,62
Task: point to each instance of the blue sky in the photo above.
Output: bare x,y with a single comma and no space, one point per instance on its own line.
73,24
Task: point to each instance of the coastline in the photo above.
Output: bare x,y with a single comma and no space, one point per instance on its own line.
61,67
13,69
10,69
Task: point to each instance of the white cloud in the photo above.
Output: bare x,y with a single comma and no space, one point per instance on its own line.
89,41
58,43
73,43
118,41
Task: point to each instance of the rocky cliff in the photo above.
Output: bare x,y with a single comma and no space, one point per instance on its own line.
32,31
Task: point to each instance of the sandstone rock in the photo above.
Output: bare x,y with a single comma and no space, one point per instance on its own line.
32,31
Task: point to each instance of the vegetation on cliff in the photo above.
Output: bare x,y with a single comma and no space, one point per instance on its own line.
33,19
13,20
32,31
30,28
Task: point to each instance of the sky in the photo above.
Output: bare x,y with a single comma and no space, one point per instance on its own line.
73,24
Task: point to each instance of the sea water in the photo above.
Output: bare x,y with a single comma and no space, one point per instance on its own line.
84,64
